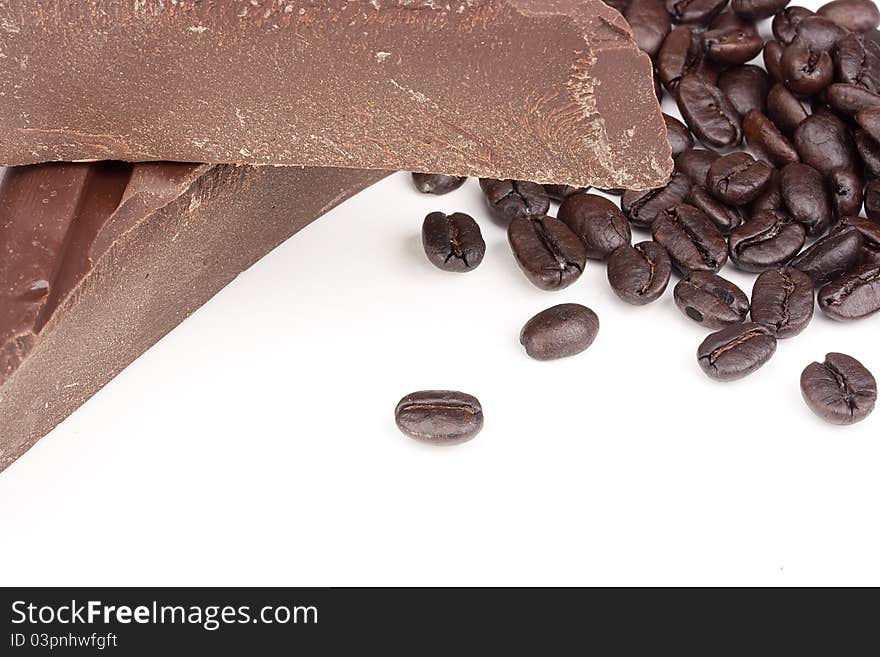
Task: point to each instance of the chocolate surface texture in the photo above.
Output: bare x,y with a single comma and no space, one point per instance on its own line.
553,91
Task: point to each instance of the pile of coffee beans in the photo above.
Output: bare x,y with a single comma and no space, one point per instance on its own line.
785,183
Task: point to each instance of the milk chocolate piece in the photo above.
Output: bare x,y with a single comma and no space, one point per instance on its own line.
553,91
99,261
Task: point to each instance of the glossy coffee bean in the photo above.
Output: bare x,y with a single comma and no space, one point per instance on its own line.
804,70
639,274
738,178
453,242
682,53
559,332
725,217
872,199
846,189
870,231
746,88
831,257
437,183
852,296
691,239
766,241
643,206
770,198
805,195
694,163
823,141
514,199
598,222
755,10
550,255
439,417
711,300
650,23
765,139
853,15
733,45
857,61
821,34
680,138
773,59
869,120
736,351
850,98
839,390
783,301
694,11
869,152
559,193
785,109
786,22
708,112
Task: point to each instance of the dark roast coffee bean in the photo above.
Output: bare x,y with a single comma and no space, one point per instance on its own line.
869,120
707,112
745,87
831,257
561,192
768,240
694,163
658,87
872,199
711,300
785,109
439,417
773,59
639,274
642,207
869,152
805,71
681,54
853,15
453,242
738,178
783,301
619,5
691,239
551,256
850,98
694,11
598,222
725,217
823,141
786,22
770,198
733,45
736,351
611,192
870,231
437,183
680,138
806,197
857,61
558,332
840,390
846,187
650,23
819,33
755,10
852,296
514,199
765,139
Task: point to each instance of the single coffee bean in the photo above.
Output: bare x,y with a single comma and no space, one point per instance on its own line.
680,138
853,15
725,217
561,192
804,70
847,192
840,390
736,351
869,120
550,255
707,112
870,231
711,300
453,242
783,301
852,296
770,198
437,183
831,257
514,199
558,332
643,206
773,59
439,417
765,139
768,240
694,163
738,178
746,88
598,222
755,10
785,109
694,11
850,98
872,199
806,197
869,152
639,274
733,45
819,33
857,61
786,22
691,239
650,23
682,53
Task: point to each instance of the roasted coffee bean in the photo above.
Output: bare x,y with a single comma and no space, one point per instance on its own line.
514,199
681,54
806,197
736,351
846,191
650,23
658,87
694,11
869,120
437,183
857,61
558,332
691,239
619,5
551,256
824,142
611,192
738,178
725,217
439,417
850,98
639,274
755,10
561,192
728,19
870,231
642,207
745,87
853,15
765,139
804,70
707,112
840,390
773,59
831,257
852,296
786,22
785,109
770,198
819,33
768,240
869,152
733,45
872,199
598,222
783,301
694,163
680,138
711,300
453,242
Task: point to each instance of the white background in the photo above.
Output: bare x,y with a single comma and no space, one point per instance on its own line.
255,445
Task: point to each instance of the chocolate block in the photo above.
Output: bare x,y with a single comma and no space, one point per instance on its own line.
553,91
101,260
